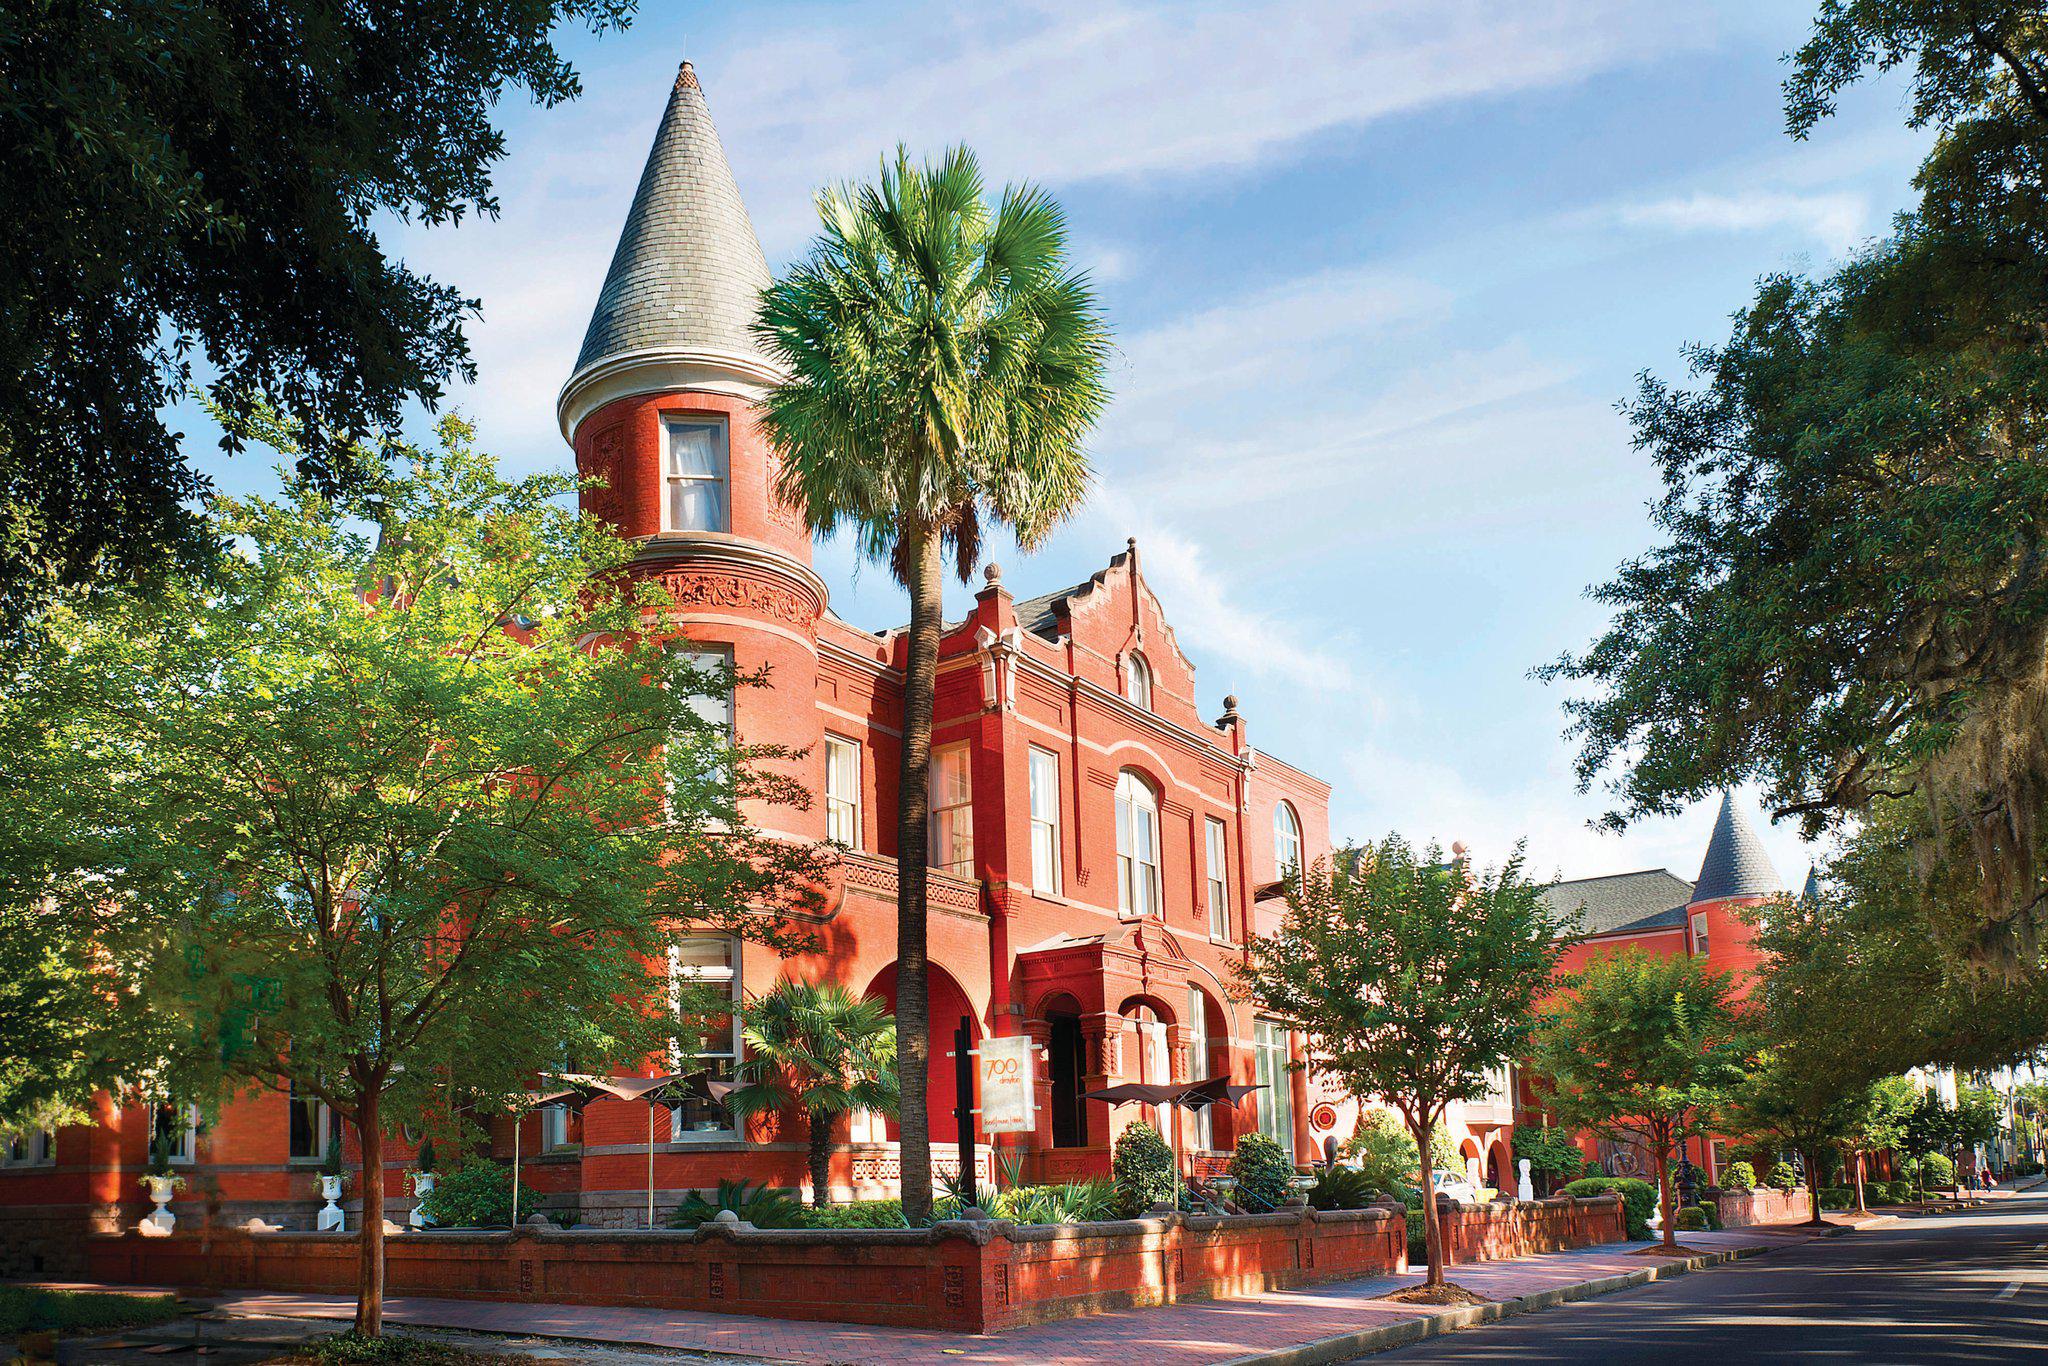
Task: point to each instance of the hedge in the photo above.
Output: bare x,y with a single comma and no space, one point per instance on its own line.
1638,1198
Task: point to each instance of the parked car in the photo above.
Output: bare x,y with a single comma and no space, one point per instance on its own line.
1453,1184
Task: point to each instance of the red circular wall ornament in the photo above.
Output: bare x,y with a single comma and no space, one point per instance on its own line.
1323,1117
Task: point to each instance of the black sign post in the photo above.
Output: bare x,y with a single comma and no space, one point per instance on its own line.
963,1108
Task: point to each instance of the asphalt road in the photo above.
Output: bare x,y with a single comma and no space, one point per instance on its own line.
1968,1287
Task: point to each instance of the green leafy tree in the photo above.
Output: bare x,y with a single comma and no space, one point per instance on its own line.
1552,1156
1800,1099
821,1051
1879,1128
1413,976
1850,600
196,190
945,364
1642,1047
403,792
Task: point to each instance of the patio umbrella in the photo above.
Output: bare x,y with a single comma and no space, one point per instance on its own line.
1182,1095
572,1090
665,1092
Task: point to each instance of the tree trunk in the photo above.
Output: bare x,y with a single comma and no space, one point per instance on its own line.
1861,1208
1665,1203
1432,1225
913,856
370,1242
1813,1187
821,1161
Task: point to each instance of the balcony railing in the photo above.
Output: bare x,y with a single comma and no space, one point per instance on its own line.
875,875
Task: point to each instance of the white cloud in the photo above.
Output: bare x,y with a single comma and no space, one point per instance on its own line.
1836,220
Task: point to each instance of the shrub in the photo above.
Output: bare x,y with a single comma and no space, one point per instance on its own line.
762,1206
1936,1170
1341,1188
1593,1168
1739,1176
346,1349
854,1214
1384,1152
1900,1192
1418,1239
1638,1199
23,1309
1837,1197
1262,1170
477,1194
1142,1169
1783,1177
1690,1220
1907,1169
1711,1214
1075,1202
1551,1154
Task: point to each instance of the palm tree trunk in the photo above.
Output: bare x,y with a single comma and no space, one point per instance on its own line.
370,1241
821,1160
913,843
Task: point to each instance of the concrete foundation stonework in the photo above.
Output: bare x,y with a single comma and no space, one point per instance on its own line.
974,1277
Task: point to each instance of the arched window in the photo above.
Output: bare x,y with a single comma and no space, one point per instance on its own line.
1286,843
1138,680
1137,846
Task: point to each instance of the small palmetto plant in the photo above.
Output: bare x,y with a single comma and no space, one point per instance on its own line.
819,1050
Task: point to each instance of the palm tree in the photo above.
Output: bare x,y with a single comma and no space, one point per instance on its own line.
944,363
819,1050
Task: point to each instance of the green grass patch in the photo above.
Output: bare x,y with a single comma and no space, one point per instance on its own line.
27,1310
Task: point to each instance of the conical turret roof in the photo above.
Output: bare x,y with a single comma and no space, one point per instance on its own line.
1736,864
688,271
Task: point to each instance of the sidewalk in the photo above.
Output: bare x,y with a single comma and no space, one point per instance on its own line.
1280,1328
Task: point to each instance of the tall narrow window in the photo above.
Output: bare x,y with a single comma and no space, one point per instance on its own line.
952,806
707,1041
1201,1132
842,791
1138,680
704,762
177,1128
1045,821
314,1127
1218,879
1699,935
1276,1101
695,474
1286,843
1137,846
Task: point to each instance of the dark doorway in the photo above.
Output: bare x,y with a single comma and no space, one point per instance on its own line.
1069,1112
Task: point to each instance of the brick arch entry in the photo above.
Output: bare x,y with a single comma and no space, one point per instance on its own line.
947,1003
1067,1067
1147,1055
1500,1166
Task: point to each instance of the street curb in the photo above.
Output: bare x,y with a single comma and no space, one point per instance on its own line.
1345,1346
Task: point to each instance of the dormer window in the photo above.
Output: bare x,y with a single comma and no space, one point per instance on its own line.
695,475
1138,680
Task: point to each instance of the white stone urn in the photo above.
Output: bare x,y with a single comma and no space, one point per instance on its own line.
1523,1189
160,1221
422,1187
331,1219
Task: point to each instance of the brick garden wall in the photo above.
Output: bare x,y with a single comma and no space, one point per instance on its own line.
967,1277
1764,1205
1495,1232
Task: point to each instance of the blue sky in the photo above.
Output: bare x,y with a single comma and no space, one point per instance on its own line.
1378,272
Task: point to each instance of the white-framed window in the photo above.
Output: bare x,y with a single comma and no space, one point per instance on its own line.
694,475
1137,847
313,1126
1699,934
1276,1101
708,1043
1201,1131
554,1127
952,812
1045,821
842,791
1218,879
38,1149
179,1124
1286,843
688,763
1138,680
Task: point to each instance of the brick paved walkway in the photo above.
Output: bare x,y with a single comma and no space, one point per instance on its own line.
1215,1331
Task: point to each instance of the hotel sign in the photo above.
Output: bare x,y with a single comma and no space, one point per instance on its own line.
1006,1085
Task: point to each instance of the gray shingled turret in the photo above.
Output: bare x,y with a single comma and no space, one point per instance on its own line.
688,271
1736,864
